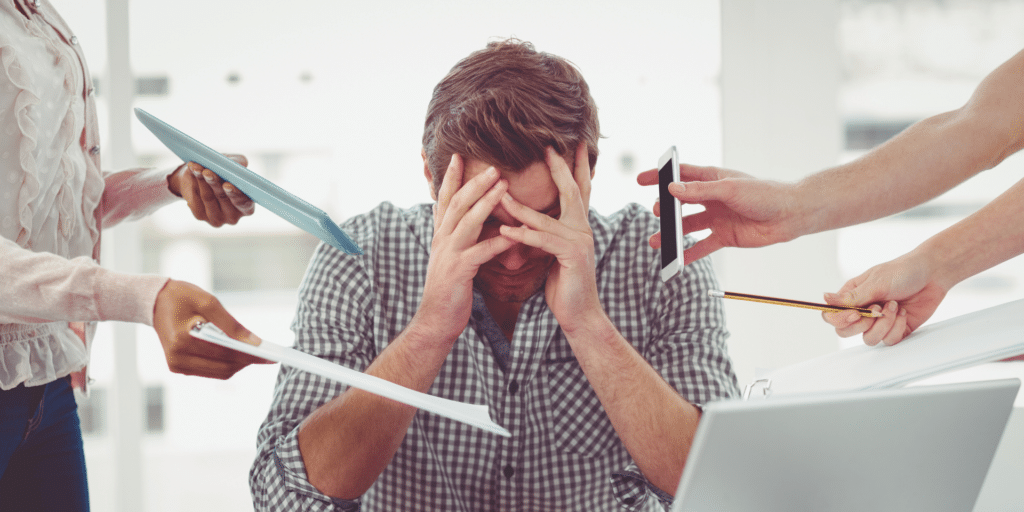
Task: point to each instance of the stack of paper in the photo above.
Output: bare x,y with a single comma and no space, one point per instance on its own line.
971,339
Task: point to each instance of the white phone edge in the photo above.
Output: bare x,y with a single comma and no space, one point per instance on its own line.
674,266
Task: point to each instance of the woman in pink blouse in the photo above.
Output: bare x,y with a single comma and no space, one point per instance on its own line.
54,201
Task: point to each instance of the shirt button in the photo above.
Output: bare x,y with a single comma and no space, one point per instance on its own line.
513,387
95,150
35,3
629,501
74,39
508,471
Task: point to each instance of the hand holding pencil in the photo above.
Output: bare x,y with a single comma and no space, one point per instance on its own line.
885,304
908,289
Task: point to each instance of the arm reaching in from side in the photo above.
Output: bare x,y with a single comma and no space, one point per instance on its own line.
922,162
914,284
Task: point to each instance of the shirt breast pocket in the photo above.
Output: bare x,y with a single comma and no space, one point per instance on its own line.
579,423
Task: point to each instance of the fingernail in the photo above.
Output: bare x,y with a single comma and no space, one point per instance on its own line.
891,307
830,297
678,188
253,339
903,312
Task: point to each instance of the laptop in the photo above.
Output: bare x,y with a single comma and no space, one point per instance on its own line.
917,449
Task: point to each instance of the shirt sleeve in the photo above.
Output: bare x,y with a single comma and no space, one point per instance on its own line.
134,193
45,287
688,334
332,322
686,346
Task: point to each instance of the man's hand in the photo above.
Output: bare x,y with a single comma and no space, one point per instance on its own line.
455,253
179,306
903,285
571,287
740,210
210,198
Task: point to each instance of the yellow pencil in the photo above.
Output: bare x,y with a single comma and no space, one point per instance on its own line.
792,303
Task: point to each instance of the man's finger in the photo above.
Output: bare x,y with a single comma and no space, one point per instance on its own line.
569,196
470,224
450,184
581,174
536,220
467,196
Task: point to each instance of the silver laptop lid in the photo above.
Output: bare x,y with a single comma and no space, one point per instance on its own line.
925,448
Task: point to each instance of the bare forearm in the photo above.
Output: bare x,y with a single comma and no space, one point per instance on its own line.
349,441
924,161
654,422
990,236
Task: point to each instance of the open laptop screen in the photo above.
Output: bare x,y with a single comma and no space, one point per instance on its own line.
924,448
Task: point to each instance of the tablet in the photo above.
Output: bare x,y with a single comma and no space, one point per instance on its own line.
261,190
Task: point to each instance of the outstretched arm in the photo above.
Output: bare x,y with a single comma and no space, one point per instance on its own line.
913,284
924,161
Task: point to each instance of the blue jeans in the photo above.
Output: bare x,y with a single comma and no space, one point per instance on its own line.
42,464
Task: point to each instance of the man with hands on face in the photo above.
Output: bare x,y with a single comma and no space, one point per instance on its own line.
924,161
510,292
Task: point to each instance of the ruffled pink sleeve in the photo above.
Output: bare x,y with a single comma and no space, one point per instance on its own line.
42,287
133,194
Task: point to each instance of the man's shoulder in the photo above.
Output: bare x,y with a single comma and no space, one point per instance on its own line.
389,223
623,229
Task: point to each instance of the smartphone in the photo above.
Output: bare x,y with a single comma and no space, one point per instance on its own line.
671,222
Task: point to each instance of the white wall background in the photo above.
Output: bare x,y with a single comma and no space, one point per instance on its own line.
330,99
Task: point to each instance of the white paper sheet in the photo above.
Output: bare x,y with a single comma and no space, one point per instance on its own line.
967,340
475,415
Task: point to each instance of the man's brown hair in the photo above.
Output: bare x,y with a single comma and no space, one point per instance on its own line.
504,104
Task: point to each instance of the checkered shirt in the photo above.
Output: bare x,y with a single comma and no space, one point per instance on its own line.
564,454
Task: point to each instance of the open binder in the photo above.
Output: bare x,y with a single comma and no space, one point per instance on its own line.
974,338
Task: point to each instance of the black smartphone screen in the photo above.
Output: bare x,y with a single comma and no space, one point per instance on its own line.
669,218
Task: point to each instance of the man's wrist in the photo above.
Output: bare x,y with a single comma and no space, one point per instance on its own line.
425,332
595,326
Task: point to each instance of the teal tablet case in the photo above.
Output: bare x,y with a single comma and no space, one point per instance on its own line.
265,193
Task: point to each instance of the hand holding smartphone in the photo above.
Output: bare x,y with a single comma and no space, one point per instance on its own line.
671,221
